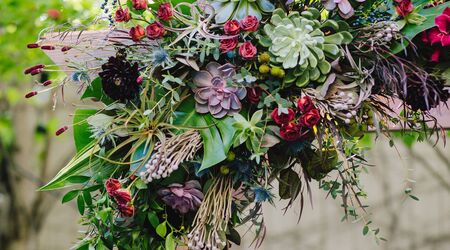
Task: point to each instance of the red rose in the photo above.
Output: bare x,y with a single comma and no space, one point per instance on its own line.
282,118
137,33
231,27
254,95
122,196
247,50
291,131
228,44
126,210
310,118
139,4
122,15
112,185
155,31
165,12
305,104
250,23
404,7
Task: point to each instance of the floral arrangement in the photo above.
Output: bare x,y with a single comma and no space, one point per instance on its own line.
206,109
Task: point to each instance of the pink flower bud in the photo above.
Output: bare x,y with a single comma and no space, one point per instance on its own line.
31,94
48,47
61,130
46,83
139,80
32,45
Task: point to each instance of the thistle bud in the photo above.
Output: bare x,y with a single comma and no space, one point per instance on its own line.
61,130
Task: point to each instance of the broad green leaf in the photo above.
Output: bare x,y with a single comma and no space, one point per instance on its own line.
80,204
81,132
95,90
161,229
153,218
78,179
78,165
170,242
216,134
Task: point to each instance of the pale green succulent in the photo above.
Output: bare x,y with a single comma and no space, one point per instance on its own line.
298,43
239,9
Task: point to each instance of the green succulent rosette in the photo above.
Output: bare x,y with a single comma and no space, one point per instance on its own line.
239,9
303,45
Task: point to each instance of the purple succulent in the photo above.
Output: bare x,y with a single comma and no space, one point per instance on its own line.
212,94
182,197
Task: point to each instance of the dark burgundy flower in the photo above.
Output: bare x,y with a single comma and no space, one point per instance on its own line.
254,95
249,23
291,131
438,36
228,44
112,185
155,31
248,50
35,67
282,118
404,7
183,198
139,4
32,45
126,210
231,27
137,33
165,12
310,118
122,196
46,83
122,15
305,104
31,94
48,47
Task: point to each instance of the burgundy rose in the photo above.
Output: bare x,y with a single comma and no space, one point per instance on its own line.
250,23
305,104
122,15
155,31
282,118
122,196
231,27
254,95
247,50
139,4
404,7
112,185
291,131
126,210
165,12
228,44
310,118
137,33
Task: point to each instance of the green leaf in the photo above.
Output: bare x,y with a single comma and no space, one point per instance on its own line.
289,184
79,164
161,229
170,242
80,204
95,90
78,179
365,230
412,30
81,132
70,196
216,134
153,218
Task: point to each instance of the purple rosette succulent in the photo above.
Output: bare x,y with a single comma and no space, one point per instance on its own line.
213,95
183,198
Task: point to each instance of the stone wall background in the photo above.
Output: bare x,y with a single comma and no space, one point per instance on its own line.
407,224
